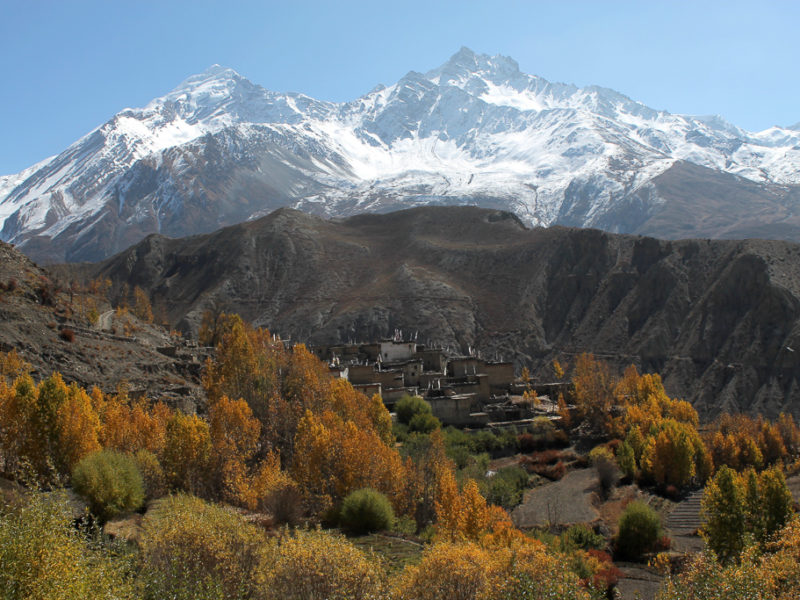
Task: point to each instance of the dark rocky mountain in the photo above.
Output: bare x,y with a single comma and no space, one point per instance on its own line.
720,320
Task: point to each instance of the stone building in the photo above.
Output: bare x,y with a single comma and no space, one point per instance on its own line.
458,388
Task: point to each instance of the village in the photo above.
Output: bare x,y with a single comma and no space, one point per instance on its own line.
463,391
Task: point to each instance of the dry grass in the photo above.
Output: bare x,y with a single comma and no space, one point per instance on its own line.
396,552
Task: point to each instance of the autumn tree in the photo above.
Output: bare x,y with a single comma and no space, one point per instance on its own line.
316,565
594,390
725,516
739,506
212,324
472,571
18,441
187,453
240,474
51,394
250,365
339,457
12,366
130,426
453,571
48,427
194,549
767,576
776,503
464,514
425,473
790,433
141,305
771,443
296,401
674,454
380,419
78,428
234,434
741,442
272,490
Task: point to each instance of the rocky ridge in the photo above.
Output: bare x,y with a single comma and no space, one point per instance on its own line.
720,320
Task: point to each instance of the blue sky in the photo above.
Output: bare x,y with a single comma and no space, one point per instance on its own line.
69,65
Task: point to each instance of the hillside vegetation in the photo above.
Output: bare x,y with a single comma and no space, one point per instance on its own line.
282,442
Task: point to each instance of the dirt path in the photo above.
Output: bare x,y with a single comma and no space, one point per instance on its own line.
561,502
793,483
104,321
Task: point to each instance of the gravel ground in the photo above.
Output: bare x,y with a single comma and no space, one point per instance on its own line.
561,502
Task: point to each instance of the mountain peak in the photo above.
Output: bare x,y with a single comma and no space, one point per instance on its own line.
464,57
465,65
217,70
469,60
214,73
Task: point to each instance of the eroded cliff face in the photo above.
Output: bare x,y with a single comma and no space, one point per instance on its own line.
718,319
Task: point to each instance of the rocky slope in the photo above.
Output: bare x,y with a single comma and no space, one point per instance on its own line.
48,326
219,150
719,319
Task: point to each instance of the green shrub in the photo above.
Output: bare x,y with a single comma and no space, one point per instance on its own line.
639,530
410,406
366,510
457,437
542,426
602,458
508,438
110,482
424,423
460,455
506,487
626,459
400,432
582,537
599,453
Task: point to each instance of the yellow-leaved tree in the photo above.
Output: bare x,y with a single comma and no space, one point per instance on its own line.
186,456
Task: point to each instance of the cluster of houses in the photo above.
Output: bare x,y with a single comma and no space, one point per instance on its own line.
465,391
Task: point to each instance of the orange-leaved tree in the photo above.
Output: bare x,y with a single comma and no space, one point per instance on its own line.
336,457
594,390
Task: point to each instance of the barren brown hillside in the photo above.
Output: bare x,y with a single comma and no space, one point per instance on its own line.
719,319
48,326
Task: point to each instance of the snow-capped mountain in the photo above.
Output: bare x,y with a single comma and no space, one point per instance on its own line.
219,149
